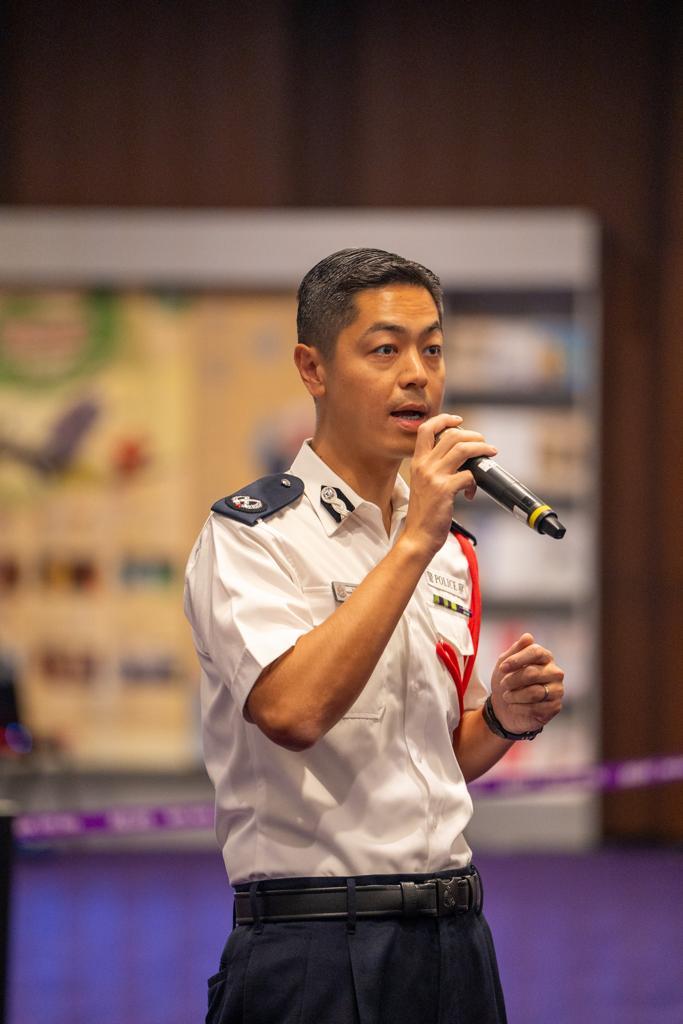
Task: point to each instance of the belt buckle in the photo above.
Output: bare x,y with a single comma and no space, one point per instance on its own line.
454,895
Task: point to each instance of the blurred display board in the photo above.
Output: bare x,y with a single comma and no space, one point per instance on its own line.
123,416
522,370
127,409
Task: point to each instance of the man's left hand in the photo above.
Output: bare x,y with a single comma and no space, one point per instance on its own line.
527,686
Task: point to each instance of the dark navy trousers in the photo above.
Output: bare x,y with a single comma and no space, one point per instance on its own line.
423,970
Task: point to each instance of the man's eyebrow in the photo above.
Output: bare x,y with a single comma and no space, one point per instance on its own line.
382,327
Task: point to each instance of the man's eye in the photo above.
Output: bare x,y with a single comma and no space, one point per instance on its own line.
434,350
385,350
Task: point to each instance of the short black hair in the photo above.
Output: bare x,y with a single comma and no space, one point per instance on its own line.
326,294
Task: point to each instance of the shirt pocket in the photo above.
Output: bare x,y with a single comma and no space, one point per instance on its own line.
372,699
453,628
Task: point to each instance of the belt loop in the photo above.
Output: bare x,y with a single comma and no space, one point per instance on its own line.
254,907
409,895
351,905
234,911
479,891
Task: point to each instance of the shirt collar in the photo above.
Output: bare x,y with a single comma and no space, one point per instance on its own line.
316,475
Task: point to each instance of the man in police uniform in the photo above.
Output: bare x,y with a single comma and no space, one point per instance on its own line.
333,612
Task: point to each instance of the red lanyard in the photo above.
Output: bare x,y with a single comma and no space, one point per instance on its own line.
445,650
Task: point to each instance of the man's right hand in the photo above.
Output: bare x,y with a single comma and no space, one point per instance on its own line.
435,478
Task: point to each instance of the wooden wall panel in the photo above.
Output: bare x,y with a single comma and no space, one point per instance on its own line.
666,685
147,104
405,104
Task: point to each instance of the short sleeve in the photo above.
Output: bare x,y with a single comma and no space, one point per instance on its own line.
476,692
243,601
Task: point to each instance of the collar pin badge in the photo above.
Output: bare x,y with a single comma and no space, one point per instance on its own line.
334,501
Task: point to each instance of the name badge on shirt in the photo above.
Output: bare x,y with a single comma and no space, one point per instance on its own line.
448,585
342,590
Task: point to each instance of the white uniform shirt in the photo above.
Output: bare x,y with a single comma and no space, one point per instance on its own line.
381,792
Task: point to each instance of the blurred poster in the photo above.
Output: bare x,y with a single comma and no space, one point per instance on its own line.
123,416
93,457
521,375
515,354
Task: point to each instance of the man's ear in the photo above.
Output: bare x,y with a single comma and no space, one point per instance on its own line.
311,367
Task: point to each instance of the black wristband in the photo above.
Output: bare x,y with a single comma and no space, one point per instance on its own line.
500,730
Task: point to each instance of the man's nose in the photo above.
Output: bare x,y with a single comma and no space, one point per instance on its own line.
412,371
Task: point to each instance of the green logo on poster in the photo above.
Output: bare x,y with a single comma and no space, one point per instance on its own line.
52,337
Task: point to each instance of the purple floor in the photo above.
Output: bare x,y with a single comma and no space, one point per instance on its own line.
130,938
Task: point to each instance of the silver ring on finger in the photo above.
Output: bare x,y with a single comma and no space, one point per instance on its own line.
546,695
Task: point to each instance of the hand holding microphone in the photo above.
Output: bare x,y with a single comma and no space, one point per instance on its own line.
436,476
447,458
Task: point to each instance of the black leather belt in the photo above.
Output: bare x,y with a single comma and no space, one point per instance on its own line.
438,897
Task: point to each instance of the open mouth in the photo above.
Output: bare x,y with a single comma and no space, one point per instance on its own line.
410,414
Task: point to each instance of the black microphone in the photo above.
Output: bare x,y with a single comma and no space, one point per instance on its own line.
512,495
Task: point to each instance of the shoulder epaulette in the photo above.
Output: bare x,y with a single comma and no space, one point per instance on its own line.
457,528
261,499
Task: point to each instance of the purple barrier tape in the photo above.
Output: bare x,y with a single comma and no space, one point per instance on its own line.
646,771
115,821
132,820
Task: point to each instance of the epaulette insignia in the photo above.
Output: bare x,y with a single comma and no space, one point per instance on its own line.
457,528
261,499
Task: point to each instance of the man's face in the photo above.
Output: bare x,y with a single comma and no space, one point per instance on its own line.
387,373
